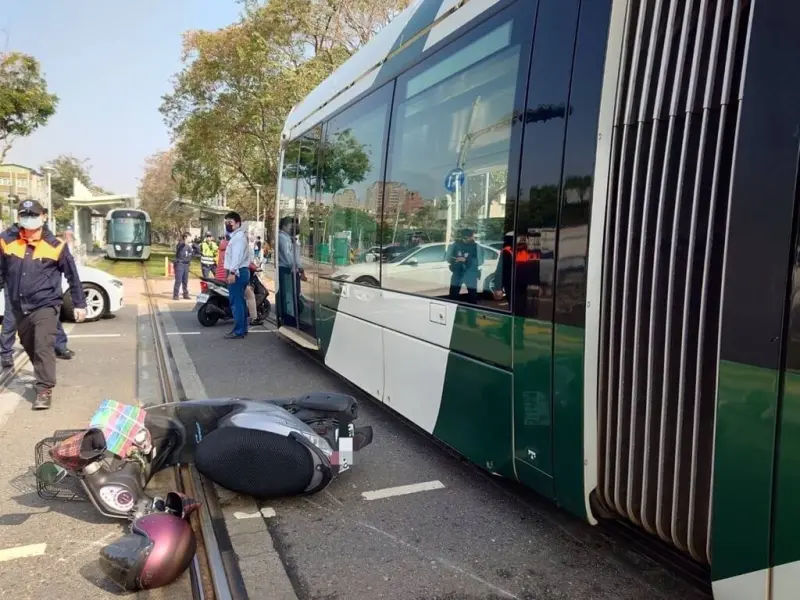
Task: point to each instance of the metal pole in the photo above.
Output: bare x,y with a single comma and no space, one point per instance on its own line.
50,216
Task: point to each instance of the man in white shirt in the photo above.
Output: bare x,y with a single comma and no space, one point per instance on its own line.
238,255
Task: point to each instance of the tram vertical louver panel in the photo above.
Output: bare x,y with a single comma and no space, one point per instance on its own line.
678,93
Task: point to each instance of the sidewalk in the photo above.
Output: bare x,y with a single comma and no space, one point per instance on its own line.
51,547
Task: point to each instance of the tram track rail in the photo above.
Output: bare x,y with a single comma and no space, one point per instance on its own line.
214,573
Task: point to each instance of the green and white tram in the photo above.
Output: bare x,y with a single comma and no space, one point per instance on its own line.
619,178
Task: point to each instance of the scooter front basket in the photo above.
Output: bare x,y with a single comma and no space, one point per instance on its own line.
69,488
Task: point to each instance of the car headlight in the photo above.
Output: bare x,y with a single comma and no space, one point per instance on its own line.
341,277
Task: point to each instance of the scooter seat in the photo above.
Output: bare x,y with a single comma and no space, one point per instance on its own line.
255,463
221,282
321,401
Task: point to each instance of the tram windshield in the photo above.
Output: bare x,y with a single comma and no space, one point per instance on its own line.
128,230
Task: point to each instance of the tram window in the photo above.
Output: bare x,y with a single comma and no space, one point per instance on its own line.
351,182
310,229
448,168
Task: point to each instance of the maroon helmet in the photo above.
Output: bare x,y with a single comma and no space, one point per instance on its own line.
158,549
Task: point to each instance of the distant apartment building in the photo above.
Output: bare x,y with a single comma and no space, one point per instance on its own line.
390,194
17,181
347,199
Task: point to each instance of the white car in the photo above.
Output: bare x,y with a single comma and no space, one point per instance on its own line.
421,270
102,291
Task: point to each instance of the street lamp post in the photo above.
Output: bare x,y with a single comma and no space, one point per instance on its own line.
258,202
50,217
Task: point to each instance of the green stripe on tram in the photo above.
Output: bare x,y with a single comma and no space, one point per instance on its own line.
743,466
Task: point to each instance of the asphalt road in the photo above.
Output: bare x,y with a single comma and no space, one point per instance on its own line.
64,537
470,538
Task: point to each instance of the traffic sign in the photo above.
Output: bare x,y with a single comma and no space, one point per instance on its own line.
454,177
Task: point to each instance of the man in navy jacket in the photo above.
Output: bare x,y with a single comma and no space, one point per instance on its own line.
32,263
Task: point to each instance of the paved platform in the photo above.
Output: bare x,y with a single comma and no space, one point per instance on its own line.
66,537
458,534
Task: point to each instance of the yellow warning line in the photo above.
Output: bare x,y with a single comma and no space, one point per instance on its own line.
22,552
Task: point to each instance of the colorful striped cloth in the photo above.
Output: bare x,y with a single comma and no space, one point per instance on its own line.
119,423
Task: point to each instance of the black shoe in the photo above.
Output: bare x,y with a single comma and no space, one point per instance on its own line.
43,399
7,362
234,336
66,354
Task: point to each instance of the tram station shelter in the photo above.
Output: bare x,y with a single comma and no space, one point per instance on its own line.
88,205
210,214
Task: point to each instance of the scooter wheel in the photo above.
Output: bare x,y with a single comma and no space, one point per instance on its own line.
205,317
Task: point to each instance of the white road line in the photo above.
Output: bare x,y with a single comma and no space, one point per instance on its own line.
402,490
264,512
22,552
184,333
94,335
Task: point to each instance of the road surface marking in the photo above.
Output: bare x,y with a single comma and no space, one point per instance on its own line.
184,333
95,335
261,330
22,552
402,490
264,512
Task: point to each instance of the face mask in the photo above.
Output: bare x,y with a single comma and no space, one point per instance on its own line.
31,223
228,227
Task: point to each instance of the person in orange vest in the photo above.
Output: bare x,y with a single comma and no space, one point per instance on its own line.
220,273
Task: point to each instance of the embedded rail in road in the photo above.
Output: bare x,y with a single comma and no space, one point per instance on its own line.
214,572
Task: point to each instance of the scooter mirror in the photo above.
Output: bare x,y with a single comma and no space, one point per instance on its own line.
49,473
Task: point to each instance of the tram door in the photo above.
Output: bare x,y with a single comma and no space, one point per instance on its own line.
297,205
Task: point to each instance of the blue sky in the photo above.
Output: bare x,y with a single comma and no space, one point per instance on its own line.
109,62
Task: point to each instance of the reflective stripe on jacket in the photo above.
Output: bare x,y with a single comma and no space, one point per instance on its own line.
32,270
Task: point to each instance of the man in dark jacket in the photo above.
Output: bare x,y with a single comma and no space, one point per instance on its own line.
32,263
8,332
183,259
465,260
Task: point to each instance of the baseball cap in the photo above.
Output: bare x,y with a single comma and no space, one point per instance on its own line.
30,206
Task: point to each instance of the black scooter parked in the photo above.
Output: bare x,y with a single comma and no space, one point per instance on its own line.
213,303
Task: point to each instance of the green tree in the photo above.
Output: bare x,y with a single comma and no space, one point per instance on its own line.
230,101
157,192
25,103
67,168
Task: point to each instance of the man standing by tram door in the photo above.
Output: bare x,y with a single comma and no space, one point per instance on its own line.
238,256
208,256
465,261
183,259
32,263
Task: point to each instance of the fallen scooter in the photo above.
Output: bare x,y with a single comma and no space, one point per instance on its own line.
213,302
261,448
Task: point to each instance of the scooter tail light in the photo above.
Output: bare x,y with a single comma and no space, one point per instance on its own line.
203,286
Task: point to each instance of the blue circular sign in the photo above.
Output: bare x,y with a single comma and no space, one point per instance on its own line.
454,177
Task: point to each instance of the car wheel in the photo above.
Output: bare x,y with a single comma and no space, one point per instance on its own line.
97,303
367,280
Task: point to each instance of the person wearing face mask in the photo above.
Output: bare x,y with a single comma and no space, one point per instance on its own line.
238,256
32,264
183,258
8,332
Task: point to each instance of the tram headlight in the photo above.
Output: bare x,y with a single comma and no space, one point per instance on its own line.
138,248
117,247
